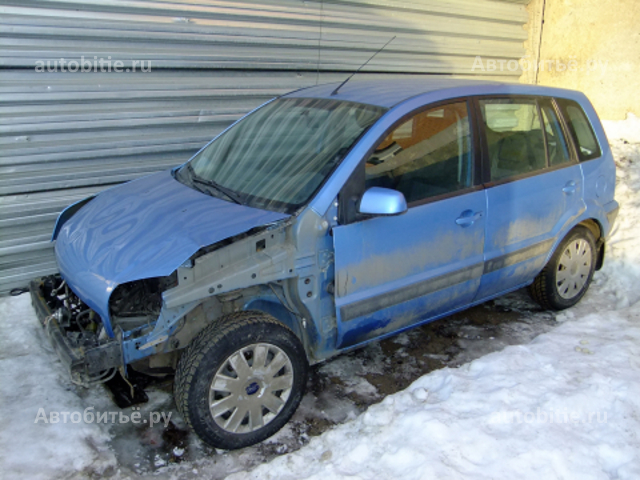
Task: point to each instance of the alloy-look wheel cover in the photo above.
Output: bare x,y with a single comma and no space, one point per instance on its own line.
251,388
574,268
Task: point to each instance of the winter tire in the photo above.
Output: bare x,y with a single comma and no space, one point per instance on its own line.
240,380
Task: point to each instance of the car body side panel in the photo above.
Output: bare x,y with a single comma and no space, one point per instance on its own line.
524,219
599,175
599,180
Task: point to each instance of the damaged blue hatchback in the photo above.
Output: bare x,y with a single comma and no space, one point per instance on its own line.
322,220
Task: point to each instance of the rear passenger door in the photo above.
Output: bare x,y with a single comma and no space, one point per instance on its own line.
534,188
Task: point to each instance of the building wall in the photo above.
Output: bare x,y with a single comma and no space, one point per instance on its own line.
601,39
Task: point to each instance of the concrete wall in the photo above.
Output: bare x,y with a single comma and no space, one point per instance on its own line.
588,45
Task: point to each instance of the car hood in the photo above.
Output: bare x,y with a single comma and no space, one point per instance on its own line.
143,229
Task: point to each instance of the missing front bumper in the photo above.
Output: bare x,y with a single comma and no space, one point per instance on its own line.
85,364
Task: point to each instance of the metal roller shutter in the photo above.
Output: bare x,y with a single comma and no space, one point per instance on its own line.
66,135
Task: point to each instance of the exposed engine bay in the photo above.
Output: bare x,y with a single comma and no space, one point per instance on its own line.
78,335
82,324
76,331
137,303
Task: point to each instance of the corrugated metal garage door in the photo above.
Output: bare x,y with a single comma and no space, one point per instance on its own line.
66,135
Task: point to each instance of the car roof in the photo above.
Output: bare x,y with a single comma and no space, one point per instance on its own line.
388,92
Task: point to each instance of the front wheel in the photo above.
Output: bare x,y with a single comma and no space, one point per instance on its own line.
241,380
567,276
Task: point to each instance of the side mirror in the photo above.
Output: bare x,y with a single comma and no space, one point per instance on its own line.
382,201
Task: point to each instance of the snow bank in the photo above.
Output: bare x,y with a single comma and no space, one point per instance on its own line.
620,277
626,130
564,406
31,378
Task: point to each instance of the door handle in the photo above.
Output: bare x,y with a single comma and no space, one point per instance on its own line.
570,188
468,217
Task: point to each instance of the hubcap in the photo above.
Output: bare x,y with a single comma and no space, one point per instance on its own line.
250,388
573,269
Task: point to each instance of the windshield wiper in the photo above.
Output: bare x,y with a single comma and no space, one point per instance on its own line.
233,196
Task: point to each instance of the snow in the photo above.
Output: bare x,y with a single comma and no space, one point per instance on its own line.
627,130
563,405
31,379
454,423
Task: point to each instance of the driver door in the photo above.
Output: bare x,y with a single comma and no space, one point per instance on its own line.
393,272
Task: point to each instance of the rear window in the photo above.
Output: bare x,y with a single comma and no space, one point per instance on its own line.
581,130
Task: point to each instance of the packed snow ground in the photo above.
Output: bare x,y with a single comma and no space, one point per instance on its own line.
565,405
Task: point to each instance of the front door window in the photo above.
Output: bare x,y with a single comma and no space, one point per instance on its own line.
426,156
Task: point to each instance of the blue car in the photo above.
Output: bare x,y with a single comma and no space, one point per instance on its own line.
325,219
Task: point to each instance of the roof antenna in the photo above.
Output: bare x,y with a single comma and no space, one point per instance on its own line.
320,40
361,66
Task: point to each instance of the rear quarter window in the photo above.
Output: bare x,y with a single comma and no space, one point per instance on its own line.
580,129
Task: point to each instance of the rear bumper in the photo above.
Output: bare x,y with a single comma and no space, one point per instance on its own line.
85,365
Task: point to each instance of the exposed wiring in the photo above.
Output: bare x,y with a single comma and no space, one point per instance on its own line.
544,6
105,377
61,286
79,323
123,374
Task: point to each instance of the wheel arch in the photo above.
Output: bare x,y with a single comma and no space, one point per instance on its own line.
598,232
260,299
595,227
279,312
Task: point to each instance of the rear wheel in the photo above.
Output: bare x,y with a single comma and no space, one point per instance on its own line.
567,276
241,380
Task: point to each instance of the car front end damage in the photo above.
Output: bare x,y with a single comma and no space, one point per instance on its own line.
79,335
150,320
76,332
117,254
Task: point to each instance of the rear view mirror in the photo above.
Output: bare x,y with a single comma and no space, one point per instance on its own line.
382,201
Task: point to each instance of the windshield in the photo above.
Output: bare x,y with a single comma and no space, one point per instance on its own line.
278,156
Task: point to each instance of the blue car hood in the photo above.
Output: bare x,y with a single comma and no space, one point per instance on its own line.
143,229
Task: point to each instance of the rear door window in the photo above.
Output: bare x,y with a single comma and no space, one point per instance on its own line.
581,130
514,136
